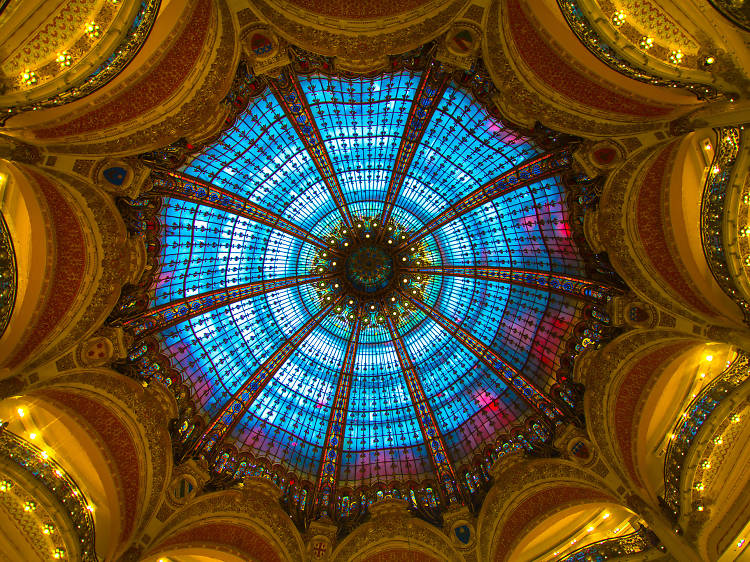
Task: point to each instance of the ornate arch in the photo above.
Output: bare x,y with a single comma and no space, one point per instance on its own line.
88,256
244,522
55,64
526,492
614,405
677,44
128,424
181,78
393,532
635,226
360,35
541,80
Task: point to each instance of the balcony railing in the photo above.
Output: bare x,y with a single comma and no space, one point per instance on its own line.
58,482
592,40
634,543
713,211
688,426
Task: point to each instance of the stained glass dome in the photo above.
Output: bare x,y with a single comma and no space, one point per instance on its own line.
370,284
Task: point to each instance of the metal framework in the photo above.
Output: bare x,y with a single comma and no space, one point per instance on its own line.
330,462
497,365
170,314
531,171
186,188
232,412
433,438
560,284
289,94
429,92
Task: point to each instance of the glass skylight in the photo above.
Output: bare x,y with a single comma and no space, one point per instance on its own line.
360,123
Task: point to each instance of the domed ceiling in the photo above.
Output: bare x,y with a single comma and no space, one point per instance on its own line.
369,283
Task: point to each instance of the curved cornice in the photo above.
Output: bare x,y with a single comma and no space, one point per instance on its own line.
358,41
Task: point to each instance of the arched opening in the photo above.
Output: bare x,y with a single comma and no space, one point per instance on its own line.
692,161
26,223
61,436
573,528
678,383
194,554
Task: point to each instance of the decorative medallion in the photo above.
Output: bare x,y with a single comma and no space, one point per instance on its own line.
462,40
319,548
463,534
183,488
263,49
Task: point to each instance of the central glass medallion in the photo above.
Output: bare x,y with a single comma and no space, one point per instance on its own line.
371,272
369,269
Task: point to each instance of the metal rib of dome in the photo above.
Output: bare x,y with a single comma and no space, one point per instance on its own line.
364,282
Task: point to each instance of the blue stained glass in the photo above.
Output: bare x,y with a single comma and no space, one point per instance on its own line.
361,123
